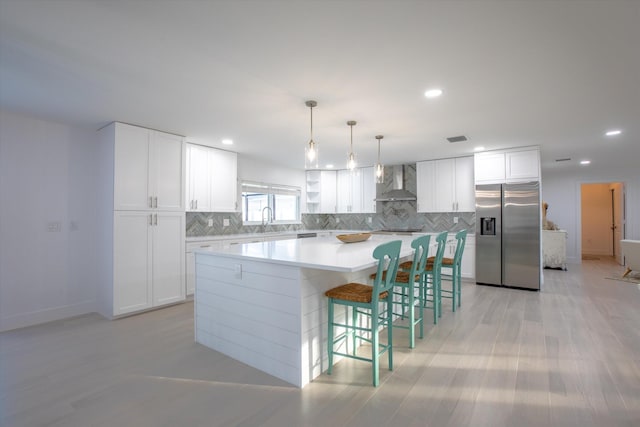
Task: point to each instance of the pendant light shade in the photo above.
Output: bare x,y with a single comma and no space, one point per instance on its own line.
379,166
311,149
351,158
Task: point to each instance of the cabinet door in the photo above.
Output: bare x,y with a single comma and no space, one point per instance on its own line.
355,205
465,186
131,168
426,186
224,181
132,286
468,266
368,190
522,166
489,168
168,257
198,178
445,185
343,191
166,171
328,192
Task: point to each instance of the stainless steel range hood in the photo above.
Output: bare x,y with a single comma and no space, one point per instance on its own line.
398,192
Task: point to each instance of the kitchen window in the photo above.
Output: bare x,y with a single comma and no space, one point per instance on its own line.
280,204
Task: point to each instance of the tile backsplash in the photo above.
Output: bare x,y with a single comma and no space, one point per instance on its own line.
397,215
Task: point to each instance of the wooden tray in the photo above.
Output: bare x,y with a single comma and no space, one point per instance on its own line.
353,238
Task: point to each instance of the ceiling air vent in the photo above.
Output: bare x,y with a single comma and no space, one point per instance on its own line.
563,160
460,138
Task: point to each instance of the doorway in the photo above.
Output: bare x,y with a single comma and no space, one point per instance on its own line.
602,210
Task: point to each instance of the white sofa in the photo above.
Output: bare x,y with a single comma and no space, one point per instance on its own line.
631,252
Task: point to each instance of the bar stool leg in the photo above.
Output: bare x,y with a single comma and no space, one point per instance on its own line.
330,337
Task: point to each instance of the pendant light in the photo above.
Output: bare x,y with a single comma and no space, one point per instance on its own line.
351,159
311,150
379,166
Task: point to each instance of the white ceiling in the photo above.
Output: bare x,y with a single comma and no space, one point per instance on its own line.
552,73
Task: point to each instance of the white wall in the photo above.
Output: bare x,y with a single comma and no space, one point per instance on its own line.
46,175
561,189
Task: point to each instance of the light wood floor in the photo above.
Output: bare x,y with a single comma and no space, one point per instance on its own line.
567,356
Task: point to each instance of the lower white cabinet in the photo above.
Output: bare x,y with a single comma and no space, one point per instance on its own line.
148,260
468,266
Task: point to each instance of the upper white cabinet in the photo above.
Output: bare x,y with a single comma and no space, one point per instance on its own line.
211,179
148,169
446,185
513,165
321,191
356,191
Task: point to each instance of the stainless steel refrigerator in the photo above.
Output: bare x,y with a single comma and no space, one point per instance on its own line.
508,233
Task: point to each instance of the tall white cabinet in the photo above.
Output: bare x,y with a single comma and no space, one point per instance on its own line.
142,233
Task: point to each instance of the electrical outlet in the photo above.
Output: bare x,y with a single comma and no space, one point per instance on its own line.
369,220
225,222
54,226
337,220
455,219
210,222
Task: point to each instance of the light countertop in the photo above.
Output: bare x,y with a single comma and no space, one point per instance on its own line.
323,253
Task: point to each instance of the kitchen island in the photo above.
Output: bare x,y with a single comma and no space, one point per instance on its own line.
263,303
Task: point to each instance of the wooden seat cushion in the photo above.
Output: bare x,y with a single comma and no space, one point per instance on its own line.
445,261
355,292
405,265
401,276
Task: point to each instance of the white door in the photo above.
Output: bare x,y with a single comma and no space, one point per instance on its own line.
166,171
368,190
199,178
131,168
445,185
426,186
328,192
168,256
465,186
343,191
224,181
618,219
131,267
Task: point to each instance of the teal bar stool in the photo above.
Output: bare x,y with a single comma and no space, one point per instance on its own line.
453,266
432,279
365,300
404,290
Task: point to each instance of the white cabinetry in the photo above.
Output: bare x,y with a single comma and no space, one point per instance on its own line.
148,169
356,191
142,228
446,185
211,179
468,265
321,191
507,166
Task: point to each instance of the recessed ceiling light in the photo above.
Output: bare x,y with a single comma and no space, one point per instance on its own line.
478,149
329,166
585,162
227,142
613,132
433,93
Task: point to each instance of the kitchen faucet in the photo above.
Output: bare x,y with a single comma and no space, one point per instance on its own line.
269,217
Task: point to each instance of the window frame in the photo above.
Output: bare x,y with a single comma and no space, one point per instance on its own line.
271,190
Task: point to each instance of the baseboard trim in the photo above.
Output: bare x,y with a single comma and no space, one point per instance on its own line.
23,320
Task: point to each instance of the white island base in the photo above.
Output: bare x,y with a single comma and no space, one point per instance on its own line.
264,304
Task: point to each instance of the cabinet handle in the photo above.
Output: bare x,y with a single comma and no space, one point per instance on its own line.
155,202
156,223
150,202
196,204
150,219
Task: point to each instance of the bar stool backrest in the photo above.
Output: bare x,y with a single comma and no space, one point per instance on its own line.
388,256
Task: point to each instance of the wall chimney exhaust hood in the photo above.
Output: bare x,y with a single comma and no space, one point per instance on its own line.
398,192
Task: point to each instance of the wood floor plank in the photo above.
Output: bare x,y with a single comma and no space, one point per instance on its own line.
566,356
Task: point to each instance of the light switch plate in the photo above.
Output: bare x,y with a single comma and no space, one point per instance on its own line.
225,222
210,222
455,219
